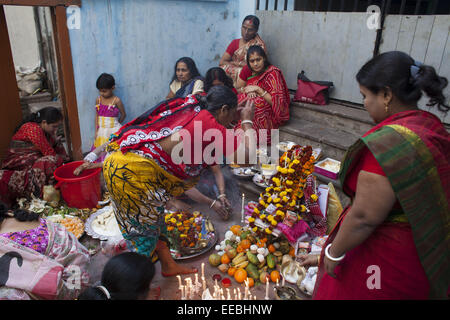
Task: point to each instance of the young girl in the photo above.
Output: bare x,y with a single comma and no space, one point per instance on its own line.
107,107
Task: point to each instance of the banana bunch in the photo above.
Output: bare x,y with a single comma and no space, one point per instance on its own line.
240,261
209,226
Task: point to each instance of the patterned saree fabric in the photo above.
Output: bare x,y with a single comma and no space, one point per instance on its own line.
413,149
29,163
270,116
239,57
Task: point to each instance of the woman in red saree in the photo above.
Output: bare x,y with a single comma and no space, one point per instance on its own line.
266,86
234,58
32,157
144,172
392,242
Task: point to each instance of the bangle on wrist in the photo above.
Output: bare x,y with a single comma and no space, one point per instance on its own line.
213,203
327,254
265,92
247,121
318,259
223,195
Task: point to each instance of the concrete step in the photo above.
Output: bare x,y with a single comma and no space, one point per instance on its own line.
35,107
349,119
333,142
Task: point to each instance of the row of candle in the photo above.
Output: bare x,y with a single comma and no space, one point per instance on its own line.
192,289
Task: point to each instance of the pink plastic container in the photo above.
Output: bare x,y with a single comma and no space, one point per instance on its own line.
323,168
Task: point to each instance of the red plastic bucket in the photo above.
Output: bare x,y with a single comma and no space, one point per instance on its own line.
81,191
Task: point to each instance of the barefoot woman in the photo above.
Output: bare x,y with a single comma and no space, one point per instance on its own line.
142,176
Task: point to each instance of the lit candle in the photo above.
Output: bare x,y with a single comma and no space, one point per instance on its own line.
242,210
228,294
246,290
277,283
267,289
204,283
239,293
182,293
254,297
235,294
196,279
282,282
179,281
203,270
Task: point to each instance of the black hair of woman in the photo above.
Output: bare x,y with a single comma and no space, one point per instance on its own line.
49,114
406,78
190,65
19,214
217,73
126,276
217,97
105,81
253,19
260,51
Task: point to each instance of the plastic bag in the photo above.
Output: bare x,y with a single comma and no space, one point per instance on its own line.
334,208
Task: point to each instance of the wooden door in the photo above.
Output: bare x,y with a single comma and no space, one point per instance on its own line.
10,110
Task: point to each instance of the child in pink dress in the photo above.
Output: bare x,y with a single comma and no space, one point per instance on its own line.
108,107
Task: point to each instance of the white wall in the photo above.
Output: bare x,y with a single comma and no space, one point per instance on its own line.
22,35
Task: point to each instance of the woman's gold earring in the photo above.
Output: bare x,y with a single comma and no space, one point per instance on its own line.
386,107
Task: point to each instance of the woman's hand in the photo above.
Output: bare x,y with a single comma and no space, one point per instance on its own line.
330,266
309,260
248,111
86,165
221,209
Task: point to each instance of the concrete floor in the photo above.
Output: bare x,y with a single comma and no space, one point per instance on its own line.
169,286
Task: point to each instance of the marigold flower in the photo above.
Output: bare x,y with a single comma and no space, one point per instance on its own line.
255,229
289,182
274,222
251,219
262,217
303,208
276,200
256,210
173,220
314,197
268,231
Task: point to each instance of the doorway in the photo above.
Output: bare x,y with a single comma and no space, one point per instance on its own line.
59,79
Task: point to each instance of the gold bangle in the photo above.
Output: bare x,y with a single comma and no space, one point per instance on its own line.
318,259
265,92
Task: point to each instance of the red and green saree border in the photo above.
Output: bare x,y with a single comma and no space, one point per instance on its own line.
414,168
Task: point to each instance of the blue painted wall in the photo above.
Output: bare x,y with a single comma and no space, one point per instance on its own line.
139,41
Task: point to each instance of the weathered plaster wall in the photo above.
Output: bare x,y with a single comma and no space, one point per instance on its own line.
22,35
138,41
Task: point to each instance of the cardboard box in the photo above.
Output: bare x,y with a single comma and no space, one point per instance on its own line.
328,168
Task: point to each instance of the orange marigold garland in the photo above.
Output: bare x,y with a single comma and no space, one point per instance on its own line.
282,197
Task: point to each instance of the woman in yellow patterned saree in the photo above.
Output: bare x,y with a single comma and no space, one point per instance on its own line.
143,176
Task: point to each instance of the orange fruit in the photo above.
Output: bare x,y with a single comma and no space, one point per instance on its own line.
271,248
292,252
245,244
225,259
240,275
236,229
240,249
231,271
251,282
274,276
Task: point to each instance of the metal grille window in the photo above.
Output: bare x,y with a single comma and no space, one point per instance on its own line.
405,7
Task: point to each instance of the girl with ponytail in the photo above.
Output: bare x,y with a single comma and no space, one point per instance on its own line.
392,242
34,153
31,241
